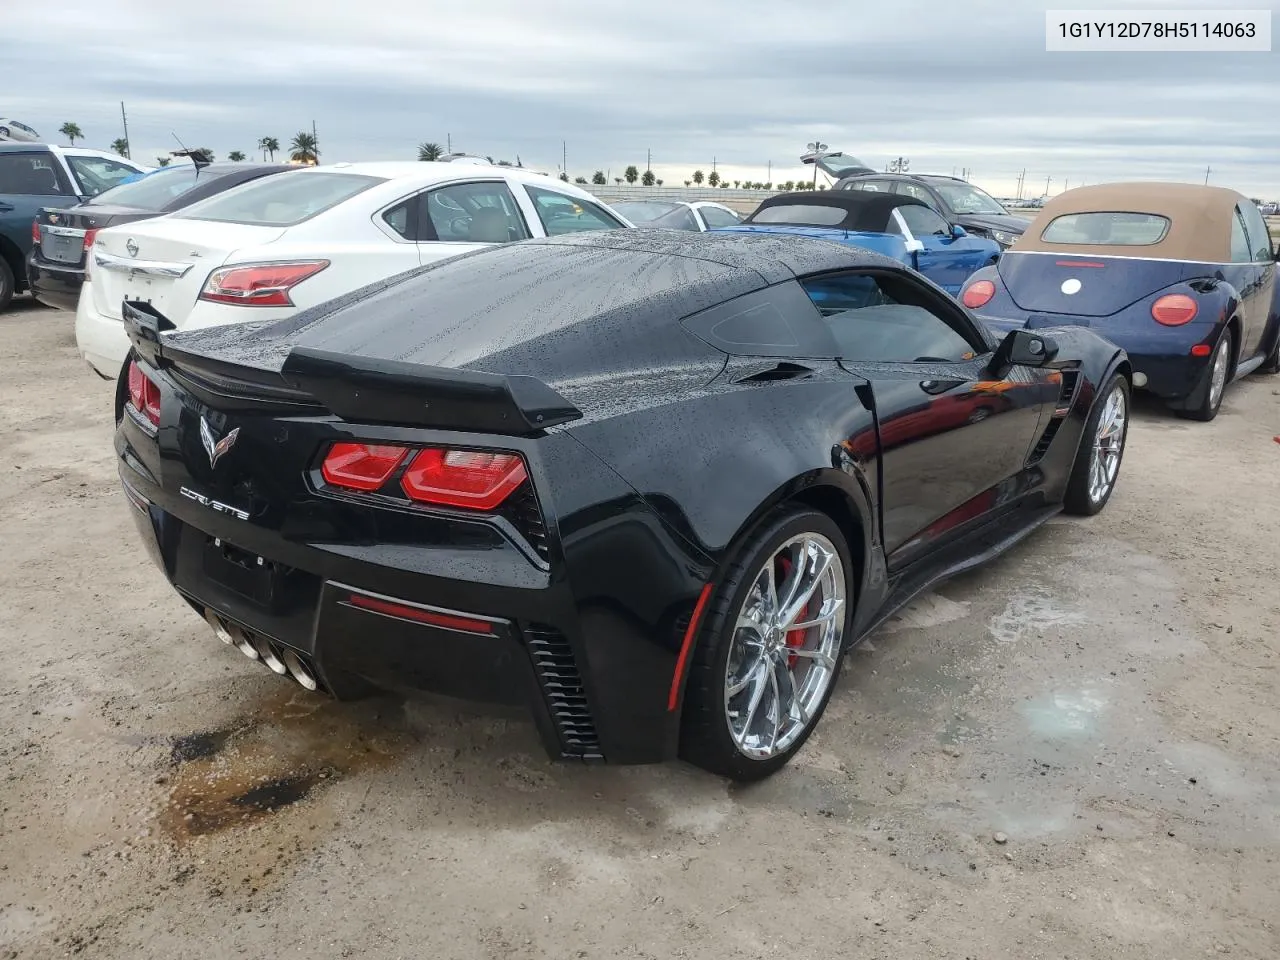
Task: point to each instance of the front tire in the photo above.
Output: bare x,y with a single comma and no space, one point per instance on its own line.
770,648
1272,363
1097,466
1219,372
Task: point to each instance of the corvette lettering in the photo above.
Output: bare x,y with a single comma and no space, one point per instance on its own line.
212,504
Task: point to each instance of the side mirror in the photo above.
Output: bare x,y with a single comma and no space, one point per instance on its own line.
958,231
1022,348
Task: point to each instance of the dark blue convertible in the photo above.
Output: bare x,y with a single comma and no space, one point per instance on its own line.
898,226
1182,276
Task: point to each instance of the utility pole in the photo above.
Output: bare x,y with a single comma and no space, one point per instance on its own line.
1207,171
648,160
315,143
769,175
448,139
1022,178
1047,181
564,157
1066,185
127,151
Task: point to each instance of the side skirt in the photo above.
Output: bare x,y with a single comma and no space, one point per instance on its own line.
982,547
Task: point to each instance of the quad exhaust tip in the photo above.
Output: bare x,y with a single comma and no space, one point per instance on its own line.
278,659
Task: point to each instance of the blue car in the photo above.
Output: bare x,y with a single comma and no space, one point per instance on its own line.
899,226
1182,276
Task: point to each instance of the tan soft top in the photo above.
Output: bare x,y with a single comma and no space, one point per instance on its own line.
1199,220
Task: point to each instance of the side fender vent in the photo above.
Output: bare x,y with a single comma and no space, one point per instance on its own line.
1066,398
781,371
561,681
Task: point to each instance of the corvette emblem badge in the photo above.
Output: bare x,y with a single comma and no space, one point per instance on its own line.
216,448
131,247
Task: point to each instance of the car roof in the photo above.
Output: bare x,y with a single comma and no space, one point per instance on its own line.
863,208
434,172
22,146
1199,219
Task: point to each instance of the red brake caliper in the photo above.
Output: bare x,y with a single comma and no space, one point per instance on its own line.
795,638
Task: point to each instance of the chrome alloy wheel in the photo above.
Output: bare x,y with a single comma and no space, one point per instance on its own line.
1218,375
785,645
1108,444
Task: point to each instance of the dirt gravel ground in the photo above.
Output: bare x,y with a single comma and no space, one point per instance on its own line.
1068,754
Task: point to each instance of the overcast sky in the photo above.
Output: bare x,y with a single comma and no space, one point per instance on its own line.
947,83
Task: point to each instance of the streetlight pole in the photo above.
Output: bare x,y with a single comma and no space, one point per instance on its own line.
1047,181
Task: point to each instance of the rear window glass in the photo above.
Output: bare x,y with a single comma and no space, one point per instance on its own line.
1107,229
281,200
153,190
804,214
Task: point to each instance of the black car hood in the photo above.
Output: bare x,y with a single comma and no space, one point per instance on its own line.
1008,222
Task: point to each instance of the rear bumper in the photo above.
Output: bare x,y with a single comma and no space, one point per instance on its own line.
101,340
594,677
53,285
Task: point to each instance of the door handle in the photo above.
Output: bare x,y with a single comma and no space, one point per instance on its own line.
6,207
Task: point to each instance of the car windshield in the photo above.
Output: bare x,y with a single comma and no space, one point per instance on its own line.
283,200
966,198
1107,229
802,214
152,191
643,211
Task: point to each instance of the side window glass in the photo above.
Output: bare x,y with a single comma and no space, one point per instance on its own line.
31,174
471,213
715,217
402,218
1259,236
1241,249
923,222
562,214
914,190
886,319
778,321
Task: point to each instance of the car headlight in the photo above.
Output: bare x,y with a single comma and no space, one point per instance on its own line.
1002,238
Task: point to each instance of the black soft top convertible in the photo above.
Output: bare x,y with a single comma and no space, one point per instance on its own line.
651,486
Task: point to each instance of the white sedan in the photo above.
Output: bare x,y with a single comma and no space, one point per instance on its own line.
697,215
274,246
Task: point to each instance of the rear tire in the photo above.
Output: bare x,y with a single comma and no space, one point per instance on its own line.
763,661
1101,451
6,285
1211,403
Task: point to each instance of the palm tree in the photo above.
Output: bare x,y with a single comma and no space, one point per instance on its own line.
618,181
268,145
72,132
580,180
738,183
235,156
430,151
767,186
688,182
659,183
303,147
713,179
632,174
163,161
598,178
121,146
564,176
697,177
648,178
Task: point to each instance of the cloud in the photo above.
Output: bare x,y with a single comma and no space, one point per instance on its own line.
743,83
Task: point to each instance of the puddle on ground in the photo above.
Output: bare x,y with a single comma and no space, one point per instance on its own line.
285,753
1068,714
1028,614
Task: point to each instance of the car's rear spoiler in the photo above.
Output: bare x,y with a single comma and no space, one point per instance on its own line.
371,390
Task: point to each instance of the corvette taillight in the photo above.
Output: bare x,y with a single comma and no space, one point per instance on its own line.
471,479
89,237
468,479
259,284
144,395
979,294
361,466
1174,309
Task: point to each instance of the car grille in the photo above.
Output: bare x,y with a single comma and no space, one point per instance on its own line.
557,671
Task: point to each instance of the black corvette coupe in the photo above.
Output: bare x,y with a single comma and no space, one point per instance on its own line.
651,485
